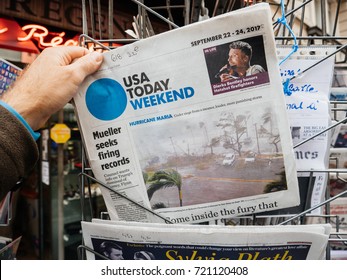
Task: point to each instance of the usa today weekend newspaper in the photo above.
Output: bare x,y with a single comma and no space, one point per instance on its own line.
162,128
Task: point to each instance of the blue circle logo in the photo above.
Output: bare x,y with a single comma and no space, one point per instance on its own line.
106,99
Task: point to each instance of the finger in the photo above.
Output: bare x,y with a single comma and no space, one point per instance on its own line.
87,64
63,55
75,52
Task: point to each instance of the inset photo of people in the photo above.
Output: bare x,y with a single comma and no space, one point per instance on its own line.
237,65
118,250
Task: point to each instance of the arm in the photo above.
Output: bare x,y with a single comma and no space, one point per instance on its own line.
44,88
18,151
50,82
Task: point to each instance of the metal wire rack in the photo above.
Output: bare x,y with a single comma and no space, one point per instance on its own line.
327,30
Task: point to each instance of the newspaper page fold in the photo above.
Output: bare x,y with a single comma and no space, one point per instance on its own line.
192,123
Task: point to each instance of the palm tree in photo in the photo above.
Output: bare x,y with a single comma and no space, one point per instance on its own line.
145,176
234,128
270,132
165,179
279,185
158,205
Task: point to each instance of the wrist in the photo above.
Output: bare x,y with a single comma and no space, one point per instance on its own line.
34,134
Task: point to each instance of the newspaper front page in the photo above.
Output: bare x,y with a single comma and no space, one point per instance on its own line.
308,108
191,123
149,241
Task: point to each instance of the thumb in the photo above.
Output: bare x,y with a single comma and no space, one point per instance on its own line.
88,63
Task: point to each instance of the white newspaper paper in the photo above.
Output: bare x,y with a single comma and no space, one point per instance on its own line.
130,240
337,213
308,108
169,122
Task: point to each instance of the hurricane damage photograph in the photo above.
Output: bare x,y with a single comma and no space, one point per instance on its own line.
211,156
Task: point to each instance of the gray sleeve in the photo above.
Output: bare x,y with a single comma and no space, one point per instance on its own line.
18,151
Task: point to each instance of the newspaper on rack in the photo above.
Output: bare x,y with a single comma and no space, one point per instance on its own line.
191,123
308,108
338,220
131,240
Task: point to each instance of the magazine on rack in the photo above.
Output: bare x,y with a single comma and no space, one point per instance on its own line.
131,240
174,124
8,74
9,251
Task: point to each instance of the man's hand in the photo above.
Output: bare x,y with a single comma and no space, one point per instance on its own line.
226,77
50,82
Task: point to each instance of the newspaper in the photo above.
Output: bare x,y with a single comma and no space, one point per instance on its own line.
172,124
337,213
308,108
131,240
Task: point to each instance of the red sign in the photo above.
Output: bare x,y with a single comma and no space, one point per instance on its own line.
14,37
41,35
9,32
